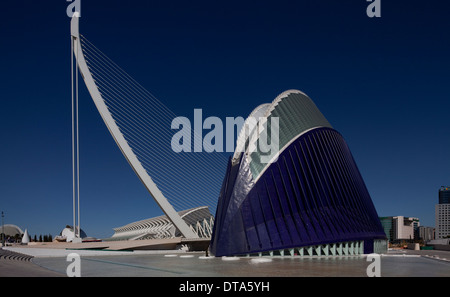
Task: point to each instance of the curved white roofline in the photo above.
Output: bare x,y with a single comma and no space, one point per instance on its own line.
243,136
14,227
160,219
281,97
161,225
296,118
192,210
266,109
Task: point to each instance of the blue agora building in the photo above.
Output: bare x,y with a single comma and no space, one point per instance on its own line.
310,199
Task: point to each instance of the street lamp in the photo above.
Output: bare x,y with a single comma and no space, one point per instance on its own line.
3,230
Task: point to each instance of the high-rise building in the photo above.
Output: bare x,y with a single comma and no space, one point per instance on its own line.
442,213
444,195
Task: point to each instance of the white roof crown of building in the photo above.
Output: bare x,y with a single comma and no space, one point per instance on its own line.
297,114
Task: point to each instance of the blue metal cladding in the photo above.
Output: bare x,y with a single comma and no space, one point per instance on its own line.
313,194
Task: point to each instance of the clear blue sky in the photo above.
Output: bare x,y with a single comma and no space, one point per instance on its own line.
383,83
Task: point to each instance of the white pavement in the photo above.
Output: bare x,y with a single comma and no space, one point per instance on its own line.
52,252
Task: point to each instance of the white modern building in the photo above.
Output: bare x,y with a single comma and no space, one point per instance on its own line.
68,234
398,228
404,227
199,220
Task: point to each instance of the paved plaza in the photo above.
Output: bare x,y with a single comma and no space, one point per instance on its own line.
169,263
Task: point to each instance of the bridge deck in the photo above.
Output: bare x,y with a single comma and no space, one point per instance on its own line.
198,244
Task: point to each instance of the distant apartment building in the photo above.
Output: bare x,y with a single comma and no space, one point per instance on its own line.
442,213
426,233
400,228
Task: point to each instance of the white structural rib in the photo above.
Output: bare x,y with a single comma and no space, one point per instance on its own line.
119,138
247,130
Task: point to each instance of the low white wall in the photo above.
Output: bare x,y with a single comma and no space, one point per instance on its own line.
413,246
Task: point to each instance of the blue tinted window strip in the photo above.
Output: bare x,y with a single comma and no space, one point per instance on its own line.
315,199
321,194
305,191
249,226
352,210
322,143
263,231
337,201
315,179
349,184
330,194
309,210
283,202
297,186
366,200
268,214
302,221
301,199
259,220
225,199
345,196
325,181
277,213
348,208
357,188
288,193
314,173
321,169
229,193
217,228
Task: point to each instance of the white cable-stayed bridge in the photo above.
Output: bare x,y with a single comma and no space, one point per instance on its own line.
141,126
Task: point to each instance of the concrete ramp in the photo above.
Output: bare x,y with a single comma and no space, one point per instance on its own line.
198,244
147,244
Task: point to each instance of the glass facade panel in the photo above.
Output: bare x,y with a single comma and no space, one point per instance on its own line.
444,195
